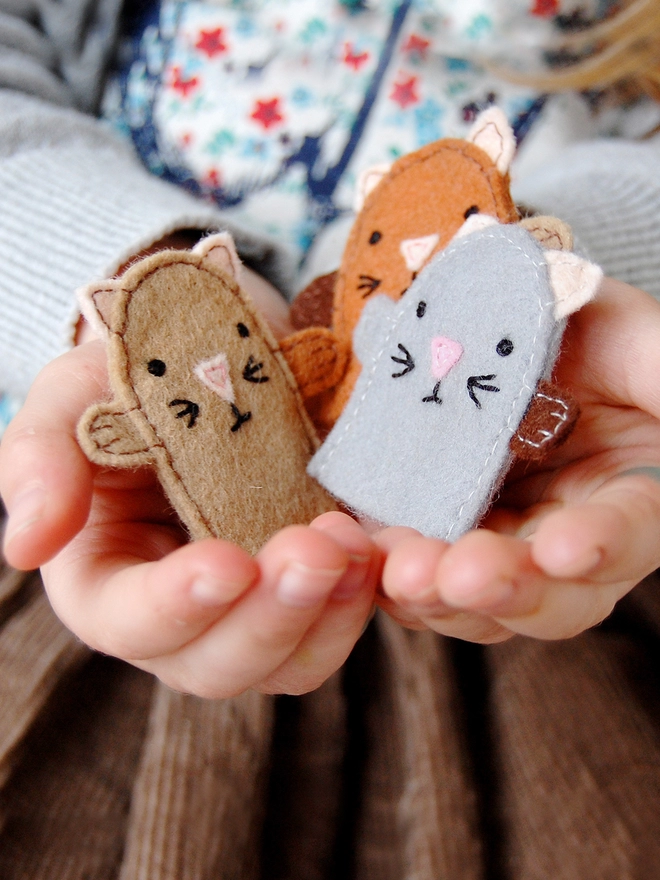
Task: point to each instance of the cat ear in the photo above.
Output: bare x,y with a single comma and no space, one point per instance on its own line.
574,281
97,305
475,223
220,251
367,181
493,134
551,232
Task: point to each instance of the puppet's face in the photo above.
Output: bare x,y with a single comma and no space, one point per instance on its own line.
414,212
192,376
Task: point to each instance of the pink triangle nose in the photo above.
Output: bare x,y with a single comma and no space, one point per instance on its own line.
445,354
416,251
214,373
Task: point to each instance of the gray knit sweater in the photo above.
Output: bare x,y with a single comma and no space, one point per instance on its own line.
75,203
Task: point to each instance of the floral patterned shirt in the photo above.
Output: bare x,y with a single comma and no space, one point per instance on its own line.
272,107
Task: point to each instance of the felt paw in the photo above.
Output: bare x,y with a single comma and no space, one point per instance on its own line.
549,420
203,394
111,437
312,307
451,374
316,358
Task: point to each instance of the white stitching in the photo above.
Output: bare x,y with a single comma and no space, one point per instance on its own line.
525,385
548,435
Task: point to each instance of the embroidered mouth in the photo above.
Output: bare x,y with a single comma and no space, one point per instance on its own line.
241,418
433,397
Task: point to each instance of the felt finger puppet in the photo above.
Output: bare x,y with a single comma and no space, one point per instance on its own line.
202,394
407,213
450,374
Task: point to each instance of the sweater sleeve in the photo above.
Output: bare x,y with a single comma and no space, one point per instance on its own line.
75,202
74,206
609,192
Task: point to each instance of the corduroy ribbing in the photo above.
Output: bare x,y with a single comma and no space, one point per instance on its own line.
575,725
199,795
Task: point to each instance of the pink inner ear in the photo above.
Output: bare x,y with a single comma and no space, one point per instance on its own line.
214,373
103,301
220,257
416,251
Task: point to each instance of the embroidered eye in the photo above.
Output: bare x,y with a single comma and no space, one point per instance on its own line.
156,367
375,237
473,209
242,330
504,347
421,309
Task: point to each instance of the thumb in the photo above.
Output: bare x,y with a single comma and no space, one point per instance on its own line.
45,479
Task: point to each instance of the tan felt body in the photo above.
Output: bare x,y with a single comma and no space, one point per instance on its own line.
231,456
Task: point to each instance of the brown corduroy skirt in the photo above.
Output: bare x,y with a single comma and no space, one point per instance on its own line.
424,758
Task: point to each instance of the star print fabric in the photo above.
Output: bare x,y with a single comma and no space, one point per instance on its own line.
272,107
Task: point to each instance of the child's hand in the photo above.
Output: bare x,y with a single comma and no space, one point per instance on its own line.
572,535
205,617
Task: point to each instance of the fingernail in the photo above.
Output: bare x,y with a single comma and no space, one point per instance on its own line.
26,509
353,580
303,587
212,591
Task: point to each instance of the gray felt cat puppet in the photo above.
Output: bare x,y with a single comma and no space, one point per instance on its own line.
448,374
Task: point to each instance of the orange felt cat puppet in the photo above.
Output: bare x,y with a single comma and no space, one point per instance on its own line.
407,212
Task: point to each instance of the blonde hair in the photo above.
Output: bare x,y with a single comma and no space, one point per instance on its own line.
623,51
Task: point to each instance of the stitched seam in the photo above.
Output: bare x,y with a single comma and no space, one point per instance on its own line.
548,435
525,384
525,387
392,175
236,291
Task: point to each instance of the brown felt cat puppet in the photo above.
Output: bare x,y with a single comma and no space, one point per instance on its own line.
203,394
407,212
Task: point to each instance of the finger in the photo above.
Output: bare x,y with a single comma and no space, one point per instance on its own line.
614,342
410,569
387,539
300,567
410,581
45,479
329,641
496,576
124,606
612,538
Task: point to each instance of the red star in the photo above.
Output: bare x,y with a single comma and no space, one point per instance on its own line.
213,179
212,43
267,113
180,85
416,45
545,8
404,92
351,59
